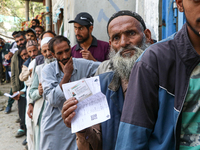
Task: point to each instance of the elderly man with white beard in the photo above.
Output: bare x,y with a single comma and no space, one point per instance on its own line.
36,92
128,37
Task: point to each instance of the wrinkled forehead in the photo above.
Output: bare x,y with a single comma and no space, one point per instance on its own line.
123,23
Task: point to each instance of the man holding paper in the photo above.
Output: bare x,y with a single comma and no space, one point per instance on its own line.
54,134
128,37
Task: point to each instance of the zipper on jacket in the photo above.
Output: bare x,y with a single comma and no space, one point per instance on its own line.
183,103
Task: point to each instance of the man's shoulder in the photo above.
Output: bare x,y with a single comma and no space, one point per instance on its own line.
74,47
106,77
49,66
81,61
160,50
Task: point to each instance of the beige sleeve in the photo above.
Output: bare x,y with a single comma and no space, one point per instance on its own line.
90,139
24,74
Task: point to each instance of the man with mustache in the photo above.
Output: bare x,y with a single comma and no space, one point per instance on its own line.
20,39
32,50
88,46
38,30
35,22
54,133
26,75
161,109
128,37
36,107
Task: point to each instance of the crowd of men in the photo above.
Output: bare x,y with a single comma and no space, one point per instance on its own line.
152,89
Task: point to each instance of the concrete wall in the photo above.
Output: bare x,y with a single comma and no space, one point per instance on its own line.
102,10
149,10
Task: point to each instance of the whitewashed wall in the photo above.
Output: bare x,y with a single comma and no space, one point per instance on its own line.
102,10
149,10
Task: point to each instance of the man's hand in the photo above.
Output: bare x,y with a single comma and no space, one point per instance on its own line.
68,67
18,96
30,110
30,71
40,89
68,111
67,70
8,56
87,55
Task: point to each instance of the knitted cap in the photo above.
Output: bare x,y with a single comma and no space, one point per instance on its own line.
127,13
31,43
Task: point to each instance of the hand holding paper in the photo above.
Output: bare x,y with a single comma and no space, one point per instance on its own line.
91,110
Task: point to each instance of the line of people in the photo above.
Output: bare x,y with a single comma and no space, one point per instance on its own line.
152,90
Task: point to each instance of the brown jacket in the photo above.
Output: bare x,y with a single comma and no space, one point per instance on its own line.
15,71
90,139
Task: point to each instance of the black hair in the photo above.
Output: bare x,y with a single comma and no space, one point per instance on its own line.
37,21
21,49
49,31
88,26
40,28
15,32
56,40
21,33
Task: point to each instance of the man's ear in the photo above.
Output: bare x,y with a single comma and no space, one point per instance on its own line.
179,4
110,42
91,29
147,33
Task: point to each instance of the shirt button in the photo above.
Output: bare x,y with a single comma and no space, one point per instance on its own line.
87,137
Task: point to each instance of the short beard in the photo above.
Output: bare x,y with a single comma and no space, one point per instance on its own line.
198,20
84,39
21,45
47,60
196,32
123,65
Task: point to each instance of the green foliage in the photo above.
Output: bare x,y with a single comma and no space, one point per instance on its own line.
16,8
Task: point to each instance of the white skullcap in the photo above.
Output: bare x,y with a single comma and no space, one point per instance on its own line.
45,40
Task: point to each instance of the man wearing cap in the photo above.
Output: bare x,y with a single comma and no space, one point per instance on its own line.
128,37
32,50
26,75
30,34
36,93
88,46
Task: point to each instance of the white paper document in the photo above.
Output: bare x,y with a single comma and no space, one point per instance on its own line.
9,72
91,110
11,96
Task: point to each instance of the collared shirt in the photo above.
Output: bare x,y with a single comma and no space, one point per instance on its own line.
52,76
98,49
54,133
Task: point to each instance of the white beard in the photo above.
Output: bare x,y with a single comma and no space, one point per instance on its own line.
123,65
47,61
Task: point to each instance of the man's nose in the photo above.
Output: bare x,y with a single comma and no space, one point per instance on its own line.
76,31
48,52
124,41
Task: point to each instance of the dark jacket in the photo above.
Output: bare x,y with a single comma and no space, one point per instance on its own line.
111,87
157,89
16,64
